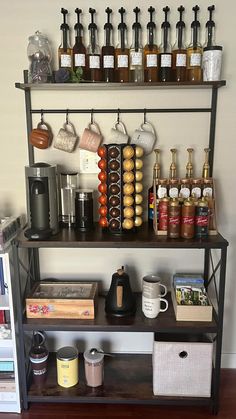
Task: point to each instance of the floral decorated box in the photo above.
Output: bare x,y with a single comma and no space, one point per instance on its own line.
62,300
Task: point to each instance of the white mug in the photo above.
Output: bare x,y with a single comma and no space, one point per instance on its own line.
118,134
144,137
152,296
151,307
66,138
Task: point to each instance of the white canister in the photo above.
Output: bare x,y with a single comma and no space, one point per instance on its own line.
211,63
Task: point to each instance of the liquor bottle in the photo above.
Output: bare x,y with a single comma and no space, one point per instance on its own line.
122,52
79,50
179,50
65,50
150,51
165,56
156,176
189,165
93,58
194,51
136,52
108,51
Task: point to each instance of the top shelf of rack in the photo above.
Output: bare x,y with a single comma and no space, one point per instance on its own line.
119,86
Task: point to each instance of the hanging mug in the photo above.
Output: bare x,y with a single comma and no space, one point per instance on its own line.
41,137
66,138
144,137
119,134
91,138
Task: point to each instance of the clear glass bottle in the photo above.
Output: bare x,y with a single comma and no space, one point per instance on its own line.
122,52
194,51
79,50
165,56
179,51
39,55
65,51
93,58
151,51
136,52
108,51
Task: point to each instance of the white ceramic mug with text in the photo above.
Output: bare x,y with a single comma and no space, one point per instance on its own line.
152,296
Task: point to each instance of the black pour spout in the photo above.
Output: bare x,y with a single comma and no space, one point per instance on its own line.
151,26
137,27
122,28
108,27
65,28
210,25
78,26
165,26
195,25
92,28
180,25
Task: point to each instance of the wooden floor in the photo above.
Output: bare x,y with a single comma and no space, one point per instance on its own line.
80,411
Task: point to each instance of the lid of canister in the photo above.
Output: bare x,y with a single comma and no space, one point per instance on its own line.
93,357
213,47
83,194
67,353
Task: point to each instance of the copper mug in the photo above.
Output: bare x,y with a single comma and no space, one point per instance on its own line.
91,138
41,137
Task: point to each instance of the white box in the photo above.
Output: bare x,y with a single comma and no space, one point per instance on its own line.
182,369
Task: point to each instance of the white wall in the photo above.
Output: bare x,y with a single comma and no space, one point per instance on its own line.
18,20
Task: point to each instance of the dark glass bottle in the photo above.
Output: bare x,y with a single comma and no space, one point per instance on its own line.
122,52
136,73
93,58
165,56
179,51
150,51
108,51
79,50
65,50
194,51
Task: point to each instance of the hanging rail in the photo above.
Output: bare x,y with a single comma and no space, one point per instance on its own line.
131,110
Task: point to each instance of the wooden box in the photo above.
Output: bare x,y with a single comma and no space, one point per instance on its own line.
62,300
191,312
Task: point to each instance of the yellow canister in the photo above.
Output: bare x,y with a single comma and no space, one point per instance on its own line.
67,366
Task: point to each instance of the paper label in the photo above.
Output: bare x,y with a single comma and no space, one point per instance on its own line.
94,61
184,192
196,192
122,61
195,59
162,191
108,61
207,192
181,60
151,60
80,60
65,60
166,60
174,192
136,58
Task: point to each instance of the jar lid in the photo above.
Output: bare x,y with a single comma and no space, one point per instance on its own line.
93,357
212,48
67,353
38,36
84,193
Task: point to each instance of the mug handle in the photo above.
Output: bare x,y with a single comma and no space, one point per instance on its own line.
165,290
40,334
43,125
151,128
69,127
166,303
117,124
93,124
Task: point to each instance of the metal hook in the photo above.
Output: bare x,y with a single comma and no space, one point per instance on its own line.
91,117
42,116
118,116
67,117
144,116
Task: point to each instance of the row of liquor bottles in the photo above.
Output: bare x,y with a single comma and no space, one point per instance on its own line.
136,64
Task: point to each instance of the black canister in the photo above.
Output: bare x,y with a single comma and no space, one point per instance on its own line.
84,209
201,219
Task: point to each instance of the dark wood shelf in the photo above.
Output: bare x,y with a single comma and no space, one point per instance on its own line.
165,322
127,379
118,86
144,237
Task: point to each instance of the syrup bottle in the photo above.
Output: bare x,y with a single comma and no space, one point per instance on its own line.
150,51
173,167
156,176
165,56
179,50
108,51
136,52
93,59
122,52
194,51
189,165
65,50
79,50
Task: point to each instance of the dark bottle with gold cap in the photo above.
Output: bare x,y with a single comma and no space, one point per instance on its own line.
79,50
163,214
165,56
93,58
173,230
108,51
202,219
187,229
179,50
189,166
173,168
151,51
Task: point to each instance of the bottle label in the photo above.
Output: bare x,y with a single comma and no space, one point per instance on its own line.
196,192
195,59
188,220
122,61
162,192
94,61
166,60
173,192
65,60
201,221
207,192
184,192
79,60
136,58
181,60
174,220
108,61
151,60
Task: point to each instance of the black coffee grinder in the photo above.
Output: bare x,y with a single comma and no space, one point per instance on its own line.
120,300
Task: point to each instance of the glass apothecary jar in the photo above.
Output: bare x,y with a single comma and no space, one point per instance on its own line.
39,55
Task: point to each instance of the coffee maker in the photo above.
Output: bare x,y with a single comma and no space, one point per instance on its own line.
42,207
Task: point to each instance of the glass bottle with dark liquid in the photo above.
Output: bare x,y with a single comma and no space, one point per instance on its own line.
79,50
65,50
165,56
194,51
150,51
122,52
136,52
93,58
108,51
179,51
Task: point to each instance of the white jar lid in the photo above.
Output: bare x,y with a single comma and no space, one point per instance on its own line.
93,357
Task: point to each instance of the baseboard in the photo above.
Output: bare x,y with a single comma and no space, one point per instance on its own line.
228,360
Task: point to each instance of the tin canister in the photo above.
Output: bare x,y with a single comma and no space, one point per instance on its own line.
67,366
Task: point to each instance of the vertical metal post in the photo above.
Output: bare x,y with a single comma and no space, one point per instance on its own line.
28,119
212,126
206,267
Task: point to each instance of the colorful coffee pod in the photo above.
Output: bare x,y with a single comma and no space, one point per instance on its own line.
128,177
113,152
138,221
138,199
128,189
138,210
128,200
128,165
127,224
128,152
138,187
138,151
128,212
138,164
138,175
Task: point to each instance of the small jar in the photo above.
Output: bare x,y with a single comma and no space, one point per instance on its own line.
174,219
207,191
162,188
84,209
196,191
202,219
94,368
173,188
40,55
184,188
187,219
67,366
163,214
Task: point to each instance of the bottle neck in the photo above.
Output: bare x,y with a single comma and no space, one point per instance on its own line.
151,36
93,40
108,38
122,39
194,37
180,38
210,37
165,44
136,44
65,41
